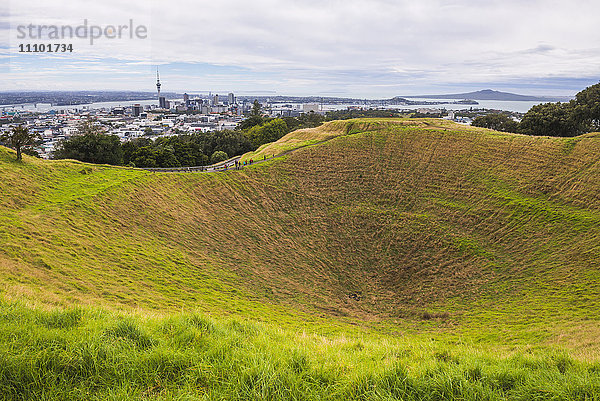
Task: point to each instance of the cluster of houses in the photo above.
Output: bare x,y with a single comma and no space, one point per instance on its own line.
126,122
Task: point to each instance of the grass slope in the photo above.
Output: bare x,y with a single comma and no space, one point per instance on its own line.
87,354
296,139
391,231
309,136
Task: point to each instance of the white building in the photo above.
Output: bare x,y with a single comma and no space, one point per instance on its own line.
308,107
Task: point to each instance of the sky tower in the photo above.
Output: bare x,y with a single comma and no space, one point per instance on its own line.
157,82
162,102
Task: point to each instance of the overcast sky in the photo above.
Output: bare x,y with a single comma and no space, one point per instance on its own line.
367,48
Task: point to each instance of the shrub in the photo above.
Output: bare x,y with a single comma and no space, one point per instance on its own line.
218,156
496,121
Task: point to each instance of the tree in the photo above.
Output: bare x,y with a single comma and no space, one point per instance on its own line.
577,117
551,119
18,138
218,156
269,132
165,157
311,120
188,154
250,122
92,148
130,147
255,108
230,142
587,108
496,121
305,120
143,156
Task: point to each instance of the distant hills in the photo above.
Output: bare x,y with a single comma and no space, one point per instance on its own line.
63,98
70,98
489,94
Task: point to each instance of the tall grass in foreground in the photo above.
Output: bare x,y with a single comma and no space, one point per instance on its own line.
89,354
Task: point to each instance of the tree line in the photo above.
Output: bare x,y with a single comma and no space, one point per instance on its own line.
579,116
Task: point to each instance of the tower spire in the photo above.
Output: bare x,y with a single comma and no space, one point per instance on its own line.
157,82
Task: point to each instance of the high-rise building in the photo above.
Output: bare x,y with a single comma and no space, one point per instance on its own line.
186,99
162,102
231,99
136,110
216,100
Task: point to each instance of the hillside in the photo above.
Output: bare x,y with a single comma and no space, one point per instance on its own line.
429,245
308,137
297,139
409,217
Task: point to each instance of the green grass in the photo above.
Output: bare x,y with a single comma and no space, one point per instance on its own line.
91,354
411,259
312,136
295,140
437,217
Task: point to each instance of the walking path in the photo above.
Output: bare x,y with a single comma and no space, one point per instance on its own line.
221,166
226,165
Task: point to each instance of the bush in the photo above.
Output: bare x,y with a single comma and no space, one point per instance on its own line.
218,156
496,121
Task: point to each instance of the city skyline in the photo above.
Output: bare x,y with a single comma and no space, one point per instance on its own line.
346,49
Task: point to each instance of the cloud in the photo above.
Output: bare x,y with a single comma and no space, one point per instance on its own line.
367,47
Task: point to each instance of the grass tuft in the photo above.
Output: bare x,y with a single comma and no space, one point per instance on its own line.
61,319
129,331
